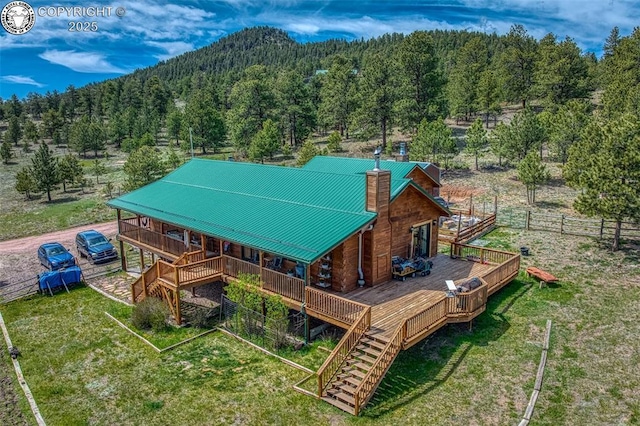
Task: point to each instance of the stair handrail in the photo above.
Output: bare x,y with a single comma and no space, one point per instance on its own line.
342,350
373,377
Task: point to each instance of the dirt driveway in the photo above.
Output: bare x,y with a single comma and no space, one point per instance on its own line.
19,260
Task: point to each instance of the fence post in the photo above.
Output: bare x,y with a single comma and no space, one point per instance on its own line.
561,224
527,220
601,227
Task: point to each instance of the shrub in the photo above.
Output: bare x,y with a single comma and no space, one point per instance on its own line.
203,317
151,313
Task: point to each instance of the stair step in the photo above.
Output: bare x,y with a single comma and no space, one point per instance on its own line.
368,349
362,366
341,396
344,407
366,358
374,343
355,372
346,388
352,381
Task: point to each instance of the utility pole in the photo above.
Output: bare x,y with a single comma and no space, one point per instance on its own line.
191,140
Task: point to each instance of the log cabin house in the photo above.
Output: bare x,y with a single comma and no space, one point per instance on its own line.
323,237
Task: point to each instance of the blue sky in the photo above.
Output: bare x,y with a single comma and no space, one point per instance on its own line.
51,57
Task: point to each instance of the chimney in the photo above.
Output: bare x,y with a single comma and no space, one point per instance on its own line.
378,194
404,156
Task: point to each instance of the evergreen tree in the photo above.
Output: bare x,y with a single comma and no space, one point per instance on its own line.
612,42
142,167
85,135
565,127
621,77
30,132
378,92
488,93
45,170
25,182
421,96
98,169
338,94
6,153
532,173
173,160
476,139
333,142
561,73
174,124
499,141
266,142
295,108
52,122
605,165
470,62
432,141
252,103
14,132
526,134
306,153
69,171
517,64
206,124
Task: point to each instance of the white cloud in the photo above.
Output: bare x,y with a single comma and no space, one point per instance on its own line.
86,62
172,48
21,79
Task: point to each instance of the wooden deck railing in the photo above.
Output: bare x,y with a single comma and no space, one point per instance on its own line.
332,306
234,267
508,264
467,303
481,254
282,284
151,238
372,379
479,228
424,320
139,286
332,364
198,271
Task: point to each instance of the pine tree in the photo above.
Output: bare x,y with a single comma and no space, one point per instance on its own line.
499,141
306,153
14,132
45,170
605,165
338,94
98,169
526,134
142,167
333,142
69,171
266,142
431,141
476,139
25,182
378,92
532,173
174,124
6,153
517,64
298,116
470,63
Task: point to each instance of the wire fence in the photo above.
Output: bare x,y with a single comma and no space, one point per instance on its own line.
563,224
18,289
275,336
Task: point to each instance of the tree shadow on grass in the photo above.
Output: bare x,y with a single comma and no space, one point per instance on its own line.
62,200
551,204
427,365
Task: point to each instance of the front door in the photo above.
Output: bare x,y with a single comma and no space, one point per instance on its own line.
422,240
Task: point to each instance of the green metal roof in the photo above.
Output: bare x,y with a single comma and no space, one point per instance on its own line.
349,166
297,213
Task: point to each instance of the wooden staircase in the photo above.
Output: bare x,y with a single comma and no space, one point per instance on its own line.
343,391
165,280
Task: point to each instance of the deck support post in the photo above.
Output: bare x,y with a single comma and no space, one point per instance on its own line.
141,261
123,256
261,260
178,313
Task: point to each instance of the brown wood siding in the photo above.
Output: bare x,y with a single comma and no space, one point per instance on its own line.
410,208
423,180
345,266
379,256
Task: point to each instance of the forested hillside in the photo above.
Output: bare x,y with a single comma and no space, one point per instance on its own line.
264,94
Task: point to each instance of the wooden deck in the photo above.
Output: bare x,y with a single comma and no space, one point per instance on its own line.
396,301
